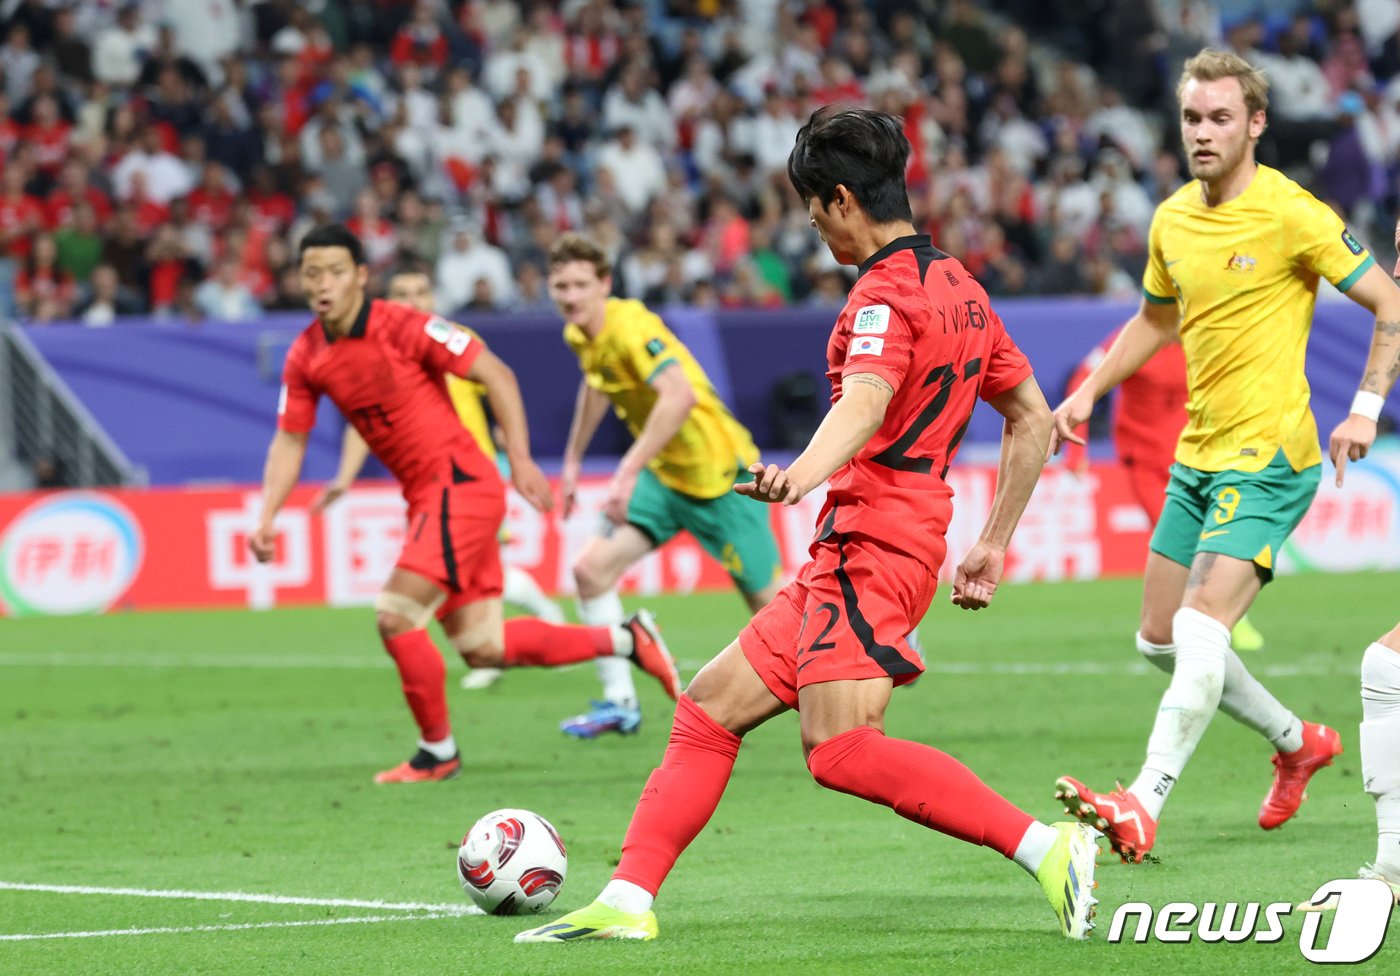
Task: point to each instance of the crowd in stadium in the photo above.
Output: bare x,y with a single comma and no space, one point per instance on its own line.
163,158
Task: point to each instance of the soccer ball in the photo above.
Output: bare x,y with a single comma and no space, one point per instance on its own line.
512,862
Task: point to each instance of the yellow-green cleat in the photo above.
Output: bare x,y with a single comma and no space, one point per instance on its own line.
1246,637
1067,878
597,921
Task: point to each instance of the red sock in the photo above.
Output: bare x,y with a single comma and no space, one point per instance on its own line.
679,798
920,784
532,643
424,678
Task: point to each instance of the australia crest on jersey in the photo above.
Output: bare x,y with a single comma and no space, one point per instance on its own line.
1241,263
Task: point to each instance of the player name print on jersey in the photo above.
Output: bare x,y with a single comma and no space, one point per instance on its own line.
872,320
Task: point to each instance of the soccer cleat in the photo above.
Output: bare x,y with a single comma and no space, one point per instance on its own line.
479,678
1246,637
1118,815
597,921
1368,872
1292,772
1067,878
1371,872
649,652
424,767
603,716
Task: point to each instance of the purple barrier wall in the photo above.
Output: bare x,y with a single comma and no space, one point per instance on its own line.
197,402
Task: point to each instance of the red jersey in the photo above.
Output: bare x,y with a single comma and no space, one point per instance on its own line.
917,319
1150,411
386,377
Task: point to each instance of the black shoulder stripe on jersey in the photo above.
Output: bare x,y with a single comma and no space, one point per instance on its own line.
916,242
890,660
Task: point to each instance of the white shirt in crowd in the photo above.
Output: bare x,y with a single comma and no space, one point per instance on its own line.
638,171
466,260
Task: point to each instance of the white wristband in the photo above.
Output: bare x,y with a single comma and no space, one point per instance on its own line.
1368,405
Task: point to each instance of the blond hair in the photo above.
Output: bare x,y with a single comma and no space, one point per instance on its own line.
575,247
1212,65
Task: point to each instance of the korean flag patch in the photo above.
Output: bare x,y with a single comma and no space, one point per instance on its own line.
866,346
872,320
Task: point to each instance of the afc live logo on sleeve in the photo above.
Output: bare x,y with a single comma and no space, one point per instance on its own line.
872,320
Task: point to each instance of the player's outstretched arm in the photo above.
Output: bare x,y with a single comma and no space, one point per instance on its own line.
1353,437
354,452
1023,439
284,459
847,427
1152,327
675,398
590,407
507,406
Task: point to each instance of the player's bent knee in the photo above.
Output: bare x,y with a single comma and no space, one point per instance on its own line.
830,760
486,656
392,625
591,579
479,644
390,607
1391,640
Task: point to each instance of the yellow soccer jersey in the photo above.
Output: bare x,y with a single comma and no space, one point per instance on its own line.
466,398
706,454
1244,277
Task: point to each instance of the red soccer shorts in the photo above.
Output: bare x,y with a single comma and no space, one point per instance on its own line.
451,539
1149,478
845,617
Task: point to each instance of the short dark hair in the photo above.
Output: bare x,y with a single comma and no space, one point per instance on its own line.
332,235
864,150
575,247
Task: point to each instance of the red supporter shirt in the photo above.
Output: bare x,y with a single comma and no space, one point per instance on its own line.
386,377
211,208
50,144
61,206
918,320
1150,411
22,215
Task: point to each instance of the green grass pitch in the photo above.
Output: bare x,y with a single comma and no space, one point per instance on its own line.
233,752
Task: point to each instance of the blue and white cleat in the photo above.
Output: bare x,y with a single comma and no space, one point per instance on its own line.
603,716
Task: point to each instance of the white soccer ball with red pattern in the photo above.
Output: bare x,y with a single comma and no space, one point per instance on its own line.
512,862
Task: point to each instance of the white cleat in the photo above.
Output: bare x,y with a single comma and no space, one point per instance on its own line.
479,678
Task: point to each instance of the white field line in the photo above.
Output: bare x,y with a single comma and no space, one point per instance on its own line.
292,663
236,927
452,908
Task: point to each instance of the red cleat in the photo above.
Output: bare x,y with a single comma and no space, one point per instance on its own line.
649,652
1292,772
424,767
1119,815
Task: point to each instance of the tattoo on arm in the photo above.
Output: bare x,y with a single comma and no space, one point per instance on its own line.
1382,378
870,379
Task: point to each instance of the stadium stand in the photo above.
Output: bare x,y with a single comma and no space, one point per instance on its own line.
162,158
